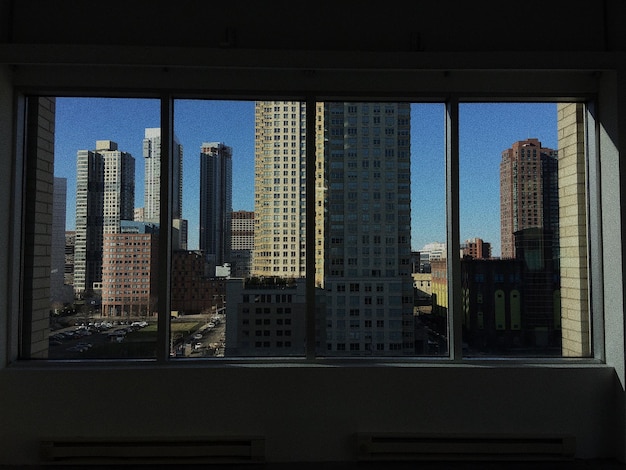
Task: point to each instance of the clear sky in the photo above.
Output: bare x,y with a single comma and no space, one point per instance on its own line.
485,131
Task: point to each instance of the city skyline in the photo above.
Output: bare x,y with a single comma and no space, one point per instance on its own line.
486,129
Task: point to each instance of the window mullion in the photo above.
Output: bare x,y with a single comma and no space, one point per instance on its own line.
453,262
594,230
165,228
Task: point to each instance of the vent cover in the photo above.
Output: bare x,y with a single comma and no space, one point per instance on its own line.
397,446
181,451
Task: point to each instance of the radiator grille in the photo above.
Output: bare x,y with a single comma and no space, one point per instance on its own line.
392,446
211,450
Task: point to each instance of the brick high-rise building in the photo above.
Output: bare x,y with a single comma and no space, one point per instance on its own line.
528,192
130,270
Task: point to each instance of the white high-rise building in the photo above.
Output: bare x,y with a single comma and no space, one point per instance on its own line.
152,186
367,234
362,220
279,189
105,195
152,177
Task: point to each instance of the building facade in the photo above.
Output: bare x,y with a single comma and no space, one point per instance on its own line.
152,185
242,245
265,317
130,270
279,194
216,187
152,177
492,306
476,248
511,306
367,229
70,244
192,291
89,220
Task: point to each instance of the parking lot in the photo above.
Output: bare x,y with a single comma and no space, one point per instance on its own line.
110,339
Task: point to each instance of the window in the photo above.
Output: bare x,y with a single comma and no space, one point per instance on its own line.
220,195
528,251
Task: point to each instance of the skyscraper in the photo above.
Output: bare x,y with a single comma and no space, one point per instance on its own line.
105,194
367,246
152,178
279,198
216,187
152,186
528,193
362,220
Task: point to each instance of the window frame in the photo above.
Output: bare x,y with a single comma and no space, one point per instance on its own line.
450,99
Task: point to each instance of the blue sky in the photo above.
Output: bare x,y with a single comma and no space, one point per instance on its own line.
485,131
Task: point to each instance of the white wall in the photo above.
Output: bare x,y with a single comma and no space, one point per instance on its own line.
305,413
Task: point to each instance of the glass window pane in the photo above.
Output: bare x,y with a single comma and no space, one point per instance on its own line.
238,241
237,283
517,195
103,263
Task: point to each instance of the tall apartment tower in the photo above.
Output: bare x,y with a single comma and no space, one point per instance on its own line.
105,194
362,220
152,178
279,199
216,203
367,242
152,185
528,193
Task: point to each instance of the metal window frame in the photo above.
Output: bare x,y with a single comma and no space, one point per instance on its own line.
451,101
